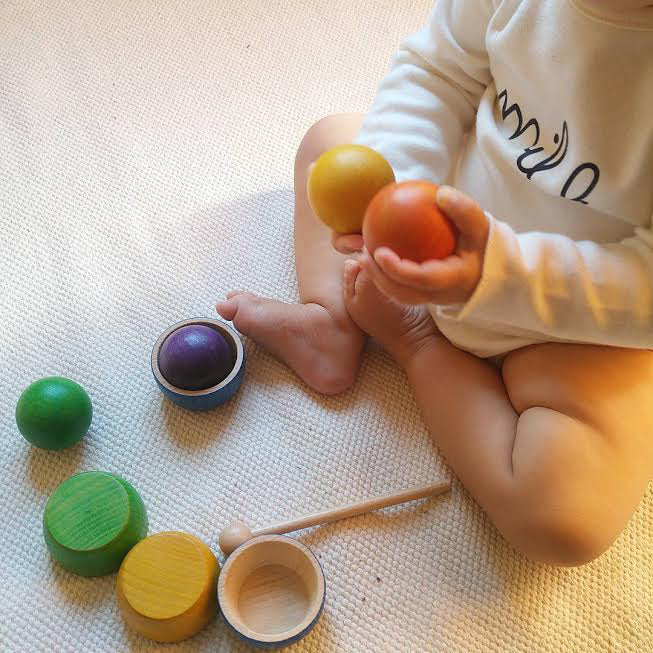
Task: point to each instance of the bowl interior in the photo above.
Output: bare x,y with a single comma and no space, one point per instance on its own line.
235,349
271,589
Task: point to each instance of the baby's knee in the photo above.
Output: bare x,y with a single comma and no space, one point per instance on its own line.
328,132
560,539
555,505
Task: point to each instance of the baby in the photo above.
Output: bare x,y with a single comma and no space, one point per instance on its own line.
529,349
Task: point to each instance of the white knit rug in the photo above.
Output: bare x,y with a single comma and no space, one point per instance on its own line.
146,154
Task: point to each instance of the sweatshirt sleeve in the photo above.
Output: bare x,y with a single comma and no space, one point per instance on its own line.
429,98
579,291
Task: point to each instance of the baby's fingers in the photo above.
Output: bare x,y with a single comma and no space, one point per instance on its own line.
428,276
389,287
466,214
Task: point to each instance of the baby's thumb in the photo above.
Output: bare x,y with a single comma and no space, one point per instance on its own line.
464,212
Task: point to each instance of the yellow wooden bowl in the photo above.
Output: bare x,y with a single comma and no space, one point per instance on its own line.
166,586
271,591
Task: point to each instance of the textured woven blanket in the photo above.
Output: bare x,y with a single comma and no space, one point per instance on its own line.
146,155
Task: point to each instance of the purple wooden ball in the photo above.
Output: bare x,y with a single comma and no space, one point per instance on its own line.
195,357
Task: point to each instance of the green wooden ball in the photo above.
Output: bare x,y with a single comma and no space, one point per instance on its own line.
91,521
54,413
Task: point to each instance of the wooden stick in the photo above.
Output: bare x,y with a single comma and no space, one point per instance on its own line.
353,509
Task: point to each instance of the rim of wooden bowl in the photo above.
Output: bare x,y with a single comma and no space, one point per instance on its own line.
227,331
314,608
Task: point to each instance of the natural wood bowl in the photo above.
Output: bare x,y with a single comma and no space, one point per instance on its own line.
271,591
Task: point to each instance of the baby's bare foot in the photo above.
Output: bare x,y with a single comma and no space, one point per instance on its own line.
402,330
322,351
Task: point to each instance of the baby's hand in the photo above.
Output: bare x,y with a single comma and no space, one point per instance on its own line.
447,281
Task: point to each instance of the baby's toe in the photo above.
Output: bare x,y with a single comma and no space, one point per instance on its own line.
227,309
350,274
364,286
233,293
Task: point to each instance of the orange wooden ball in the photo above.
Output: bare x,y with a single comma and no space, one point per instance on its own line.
405,217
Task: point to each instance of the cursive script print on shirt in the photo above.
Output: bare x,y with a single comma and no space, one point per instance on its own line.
581,182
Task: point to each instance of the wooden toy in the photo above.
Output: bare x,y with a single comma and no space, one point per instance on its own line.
271,591
166,586
91,521
238,533
405,217
195,357
342,182
54,413
213,395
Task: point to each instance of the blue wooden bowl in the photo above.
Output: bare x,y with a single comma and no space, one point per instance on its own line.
215,395
271,591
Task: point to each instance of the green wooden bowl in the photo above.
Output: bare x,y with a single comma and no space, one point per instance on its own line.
91,521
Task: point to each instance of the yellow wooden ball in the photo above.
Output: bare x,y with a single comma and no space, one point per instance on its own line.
166,586
342,183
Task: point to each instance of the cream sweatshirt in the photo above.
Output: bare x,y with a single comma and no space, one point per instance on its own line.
542,111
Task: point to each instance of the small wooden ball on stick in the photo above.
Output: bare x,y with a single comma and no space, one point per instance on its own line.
238,533
233,536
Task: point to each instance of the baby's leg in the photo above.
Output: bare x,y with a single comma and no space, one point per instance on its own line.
316,338
557,447
583,452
